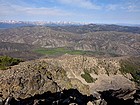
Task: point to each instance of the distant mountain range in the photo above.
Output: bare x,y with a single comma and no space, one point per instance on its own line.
133,25
13,23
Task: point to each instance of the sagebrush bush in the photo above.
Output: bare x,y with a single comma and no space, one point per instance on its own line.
87,77
6,61
132,67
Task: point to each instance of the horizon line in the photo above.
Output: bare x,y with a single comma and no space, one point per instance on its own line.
66,22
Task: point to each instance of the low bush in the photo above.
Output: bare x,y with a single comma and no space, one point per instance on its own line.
88,77
131,66
6,62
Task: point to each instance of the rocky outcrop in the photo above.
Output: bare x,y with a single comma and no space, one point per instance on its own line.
105,72
36,77
54,75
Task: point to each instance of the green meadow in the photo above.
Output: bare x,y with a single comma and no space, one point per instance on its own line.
61,51
65,50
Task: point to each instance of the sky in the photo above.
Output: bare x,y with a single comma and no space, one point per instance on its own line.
84,11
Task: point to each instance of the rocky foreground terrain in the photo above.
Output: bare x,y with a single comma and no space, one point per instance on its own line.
69,79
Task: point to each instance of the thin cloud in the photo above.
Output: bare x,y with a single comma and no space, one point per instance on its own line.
81,3
46,11
15,9
112,7
127,7
71,10
131,7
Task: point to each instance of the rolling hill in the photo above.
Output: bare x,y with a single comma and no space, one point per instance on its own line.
107,42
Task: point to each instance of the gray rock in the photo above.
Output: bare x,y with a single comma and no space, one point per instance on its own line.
1,101
137,102
8,100
90,103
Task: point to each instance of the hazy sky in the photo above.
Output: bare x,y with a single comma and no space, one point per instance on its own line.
95,11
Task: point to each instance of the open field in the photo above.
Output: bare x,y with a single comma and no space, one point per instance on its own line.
63,50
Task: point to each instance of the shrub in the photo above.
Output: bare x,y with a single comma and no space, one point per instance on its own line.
132,67
6,61
87,77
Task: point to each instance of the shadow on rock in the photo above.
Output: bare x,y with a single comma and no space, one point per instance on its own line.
121,97
74,97
65,97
